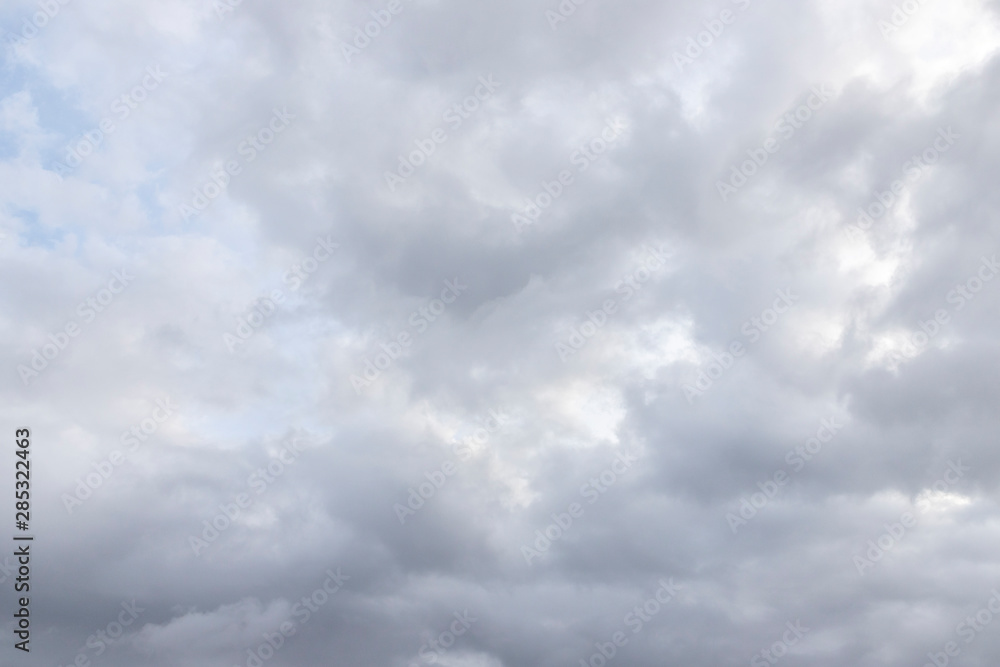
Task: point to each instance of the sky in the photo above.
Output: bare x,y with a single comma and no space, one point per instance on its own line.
502,334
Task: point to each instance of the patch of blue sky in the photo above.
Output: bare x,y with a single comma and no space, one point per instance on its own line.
35,234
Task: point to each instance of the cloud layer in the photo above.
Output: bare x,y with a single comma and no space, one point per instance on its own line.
504,333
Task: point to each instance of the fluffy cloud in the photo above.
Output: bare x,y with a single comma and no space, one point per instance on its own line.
747,247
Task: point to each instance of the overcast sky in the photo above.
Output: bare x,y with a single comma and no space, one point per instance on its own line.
503,333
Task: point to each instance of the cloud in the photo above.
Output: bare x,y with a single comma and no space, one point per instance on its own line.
637,277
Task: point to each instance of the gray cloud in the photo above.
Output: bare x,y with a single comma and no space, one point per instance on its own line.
865,342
